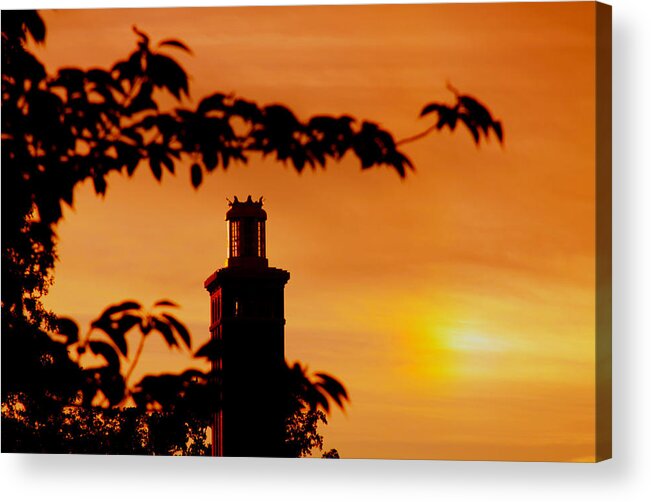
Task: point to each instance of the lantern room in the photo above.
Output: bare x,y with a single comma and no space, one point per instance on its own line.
246,233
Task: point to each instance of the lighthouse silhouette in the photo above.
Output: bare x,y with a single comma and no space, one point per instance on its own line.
247,319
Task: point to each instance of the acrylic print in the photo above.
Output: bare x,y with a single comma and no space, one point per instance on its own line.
374,231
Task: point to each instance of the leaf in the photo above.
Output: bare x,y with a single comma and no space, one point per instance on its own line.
99,183
164,329
497,127
280,119
154,165
166,72
298,159
117,336
476,110
128,321
34,24
211,103
175,43
196,175
180,328
471,127
69,329
106,351
432,107
131,161
334,388
127,305
165,303
168,163
400,163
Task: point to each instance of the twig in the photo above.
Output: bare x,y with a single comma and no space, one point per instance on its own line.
416,136
141,344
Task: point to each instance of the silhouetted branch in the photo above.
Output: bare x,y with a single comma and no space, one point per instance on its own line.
416,137
136,358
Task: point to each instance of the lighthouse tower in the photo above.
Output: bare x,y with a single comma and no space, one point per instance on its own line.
247,318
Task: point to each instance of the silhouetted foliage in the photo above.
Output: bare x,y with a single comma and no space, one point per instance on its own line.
59,130
81,429
93,409
307,407
474,115
302,434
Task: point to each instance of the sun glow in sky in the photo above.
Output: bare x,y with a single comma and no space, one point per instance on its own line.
456,305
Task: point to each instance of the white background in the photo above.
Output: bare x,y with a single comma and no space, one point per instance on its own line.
627,477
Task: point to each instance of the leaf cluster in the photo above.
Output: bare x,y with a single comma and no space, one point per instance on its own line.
97,392
114,324
92,430
468,111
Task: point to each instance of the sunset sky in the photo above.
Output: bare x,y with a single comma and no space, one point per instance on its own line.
456,305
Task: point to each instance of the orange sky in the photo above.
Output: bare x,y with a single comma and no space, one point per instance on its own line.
456,305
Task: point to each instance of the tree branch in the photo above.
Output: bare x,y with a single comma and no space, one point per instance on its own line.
416,136
141,344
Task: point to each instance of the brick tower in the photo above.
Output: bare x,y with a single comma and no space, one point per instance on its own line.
247,317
